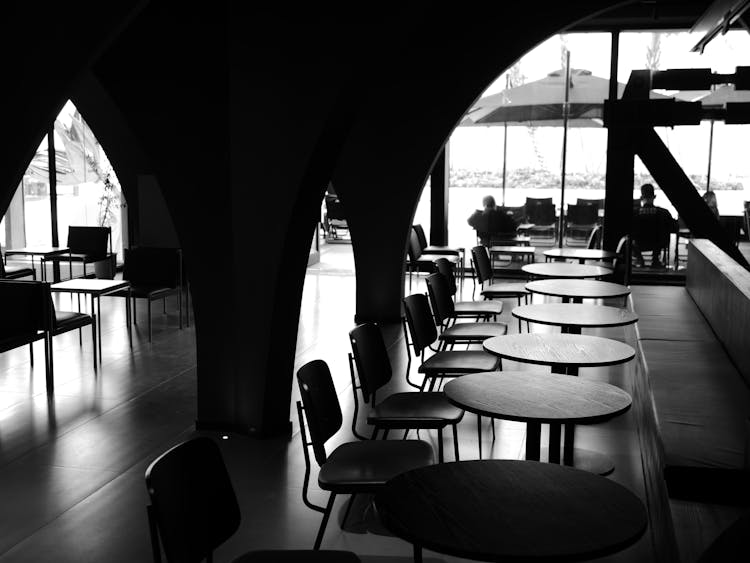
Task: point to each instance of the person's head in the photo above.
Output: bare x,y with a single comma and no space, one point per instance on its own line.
710,198
647,194
488,202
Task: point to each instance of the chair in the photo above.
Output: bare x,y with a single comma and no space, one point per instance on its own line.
622,263
193,508
480,259
444,363
353,467
334,218
28,309
464,309
14,272
651,233
445,315
418,262
431,249
580,220
154,273
87,245
495,228
542,214
595,237
598,203
403,411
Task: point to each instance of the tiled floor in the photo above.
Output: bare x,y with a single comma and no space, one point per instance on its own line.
71,469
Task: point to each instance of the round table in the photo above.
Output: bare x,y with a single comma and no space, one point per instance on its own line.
577,290
537,398
572,317
510,510
565,270
565,353
580,254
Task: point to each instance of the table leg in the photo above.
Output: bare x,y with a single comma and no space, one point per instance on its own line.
127,317
95,330
99,326
554,443
533,439
479,434
417,554
570,430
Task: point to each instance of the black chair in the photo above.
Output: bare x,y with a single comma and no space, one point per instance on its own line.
444,313
651,233
466,309
404,411
444,363
542,214
353,467
595,238
194,508
480,259
334,218
418,262
431,249
154,273
580,220
88,245
14,272
598,203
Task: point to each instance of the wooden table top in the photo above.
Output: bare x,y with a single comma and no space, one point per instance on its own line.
90,285
568,350
511,510
565,270
580,253
528,396
575,315
578,289
38,250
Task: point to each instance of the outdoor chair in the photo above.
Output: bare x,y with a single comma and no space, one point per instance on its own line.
444,313
580,220
193,509
405,411
353,467
542,215
14,272
334,218
418,262
466,309
154,273
87,245
443,363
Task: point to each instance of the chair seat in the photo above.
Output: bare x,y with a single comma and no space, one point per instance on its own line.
441,250
14,272
511,289
298,556
68,320
11,342
473,332
458,363
85,258
415,410
474,308
366,466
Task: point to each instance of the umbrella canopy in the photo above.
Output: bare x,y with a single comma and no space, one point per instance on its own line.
540,103
715,98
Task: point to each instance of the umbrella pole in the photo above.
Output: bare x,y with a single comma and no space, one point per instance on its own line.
566,111
505,156
710,156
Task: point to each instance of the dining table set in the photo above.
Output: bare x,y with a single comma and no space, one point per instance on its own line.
555,504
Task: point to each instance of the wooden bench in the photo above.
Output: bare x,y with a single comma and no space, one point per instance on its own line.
693,376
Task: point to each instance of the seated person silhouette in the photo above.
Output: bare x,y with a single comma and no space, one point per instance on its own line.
652,227
492,223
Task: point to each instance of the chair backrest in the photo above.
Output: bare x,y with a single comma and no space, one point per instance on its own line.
322,408
595,237
421,237
334,207
621,266
2,265
25,307
371,358
161,267
414,250
444,266
582,214
517,213
531,201
598,203
440,298
481,258
650,231
193,503
541,213
93,241
419,318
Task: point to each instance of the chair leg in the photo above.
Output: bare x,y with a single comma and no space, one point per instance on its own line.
479,434
324,522
149,320
31,353
440,445
348,509
93,339
48,364
154,533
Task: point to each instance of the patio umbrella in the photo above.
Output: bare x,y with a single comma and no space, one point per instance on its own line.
542,103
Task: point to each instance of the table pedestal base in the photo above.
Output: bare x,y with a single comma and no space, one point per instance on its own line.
587,460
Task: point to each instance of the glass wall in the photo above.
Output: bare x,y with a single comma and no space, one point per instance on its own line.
88,191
